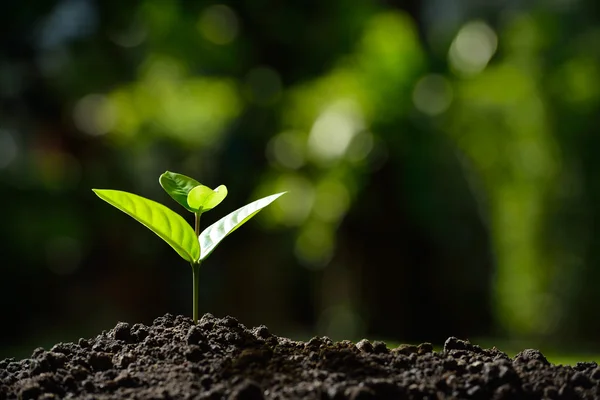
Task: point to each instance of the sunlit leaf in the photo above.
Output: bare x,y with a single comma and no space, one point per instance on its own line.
167,224
214,234
203,198
178,186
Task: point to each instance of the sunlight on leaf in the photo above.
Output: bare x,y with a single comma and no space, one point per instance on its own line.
167,224
202,198
214,234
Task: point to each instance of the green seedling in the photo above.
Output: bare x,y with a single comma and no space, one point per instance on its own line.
190,244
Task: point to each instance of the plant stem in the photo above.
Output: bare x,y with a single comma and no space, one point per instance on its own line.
196,270
196,290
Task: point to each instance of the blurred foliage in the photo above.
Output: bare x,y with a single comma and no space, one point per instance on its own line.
440,159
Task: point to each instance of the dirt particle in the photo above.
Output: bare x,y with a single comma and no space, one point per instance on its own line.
453,343
504,392
64,348
364,346
234,337
124,379
584,366
361,393
166,321
380,347
247,390
475,392
206,381
450,364
122,331
123,360
194,335
47,361
69,382
580,380
79,372
229,322
425,348
314,343
151,341
406,349
566,392
261,332
139,332
475,367
249,356
333,393
550,392
528,355
38,351
193,353
100,361
345,344
31,391
89,386
206,323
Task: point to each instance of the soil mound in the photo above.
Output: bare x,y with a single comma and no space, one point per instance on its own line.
220,358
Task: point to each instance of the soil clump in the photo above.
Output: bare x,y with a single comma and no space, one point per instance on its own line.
219,358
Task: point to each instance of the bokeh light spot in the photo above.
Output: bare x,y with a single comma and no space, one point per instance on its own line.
218,24
94,114
360,147
332,200
294,209
472,48
432,94
333,131
192,110
158,69
70,19
314,245
287,149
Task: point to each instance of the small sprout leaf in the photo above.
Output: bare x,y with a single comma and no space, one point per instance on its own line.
178,186
167,224
197,196
214,234
216,198
203,198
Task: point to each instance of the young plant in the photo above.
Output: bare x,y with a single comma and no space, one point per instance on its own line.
190,244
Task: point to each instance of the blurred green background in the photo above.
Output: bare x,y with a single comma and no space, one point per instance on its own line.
441,159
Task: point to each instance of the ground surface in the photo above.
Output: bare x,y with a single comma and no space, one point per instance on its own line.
220,358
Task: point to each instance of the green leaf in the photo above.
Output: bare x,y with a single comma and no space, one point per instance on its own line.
214,234
178,187
167,224
202,198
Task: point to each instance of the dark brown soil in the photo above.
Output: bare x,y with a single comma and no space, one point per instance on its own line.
220,358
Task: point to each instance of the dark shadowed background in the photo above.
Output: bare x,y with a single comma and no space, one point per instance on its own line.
441,158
